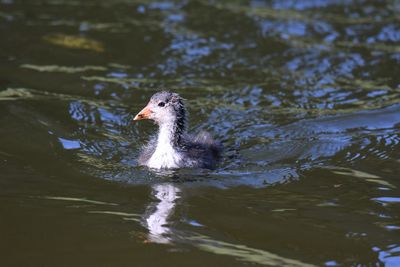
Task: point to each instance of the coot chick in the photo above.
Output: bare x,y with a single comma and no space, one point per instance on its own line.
173,147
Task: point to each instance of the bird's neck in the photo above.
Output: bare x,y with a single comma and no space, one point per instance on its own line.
167,154
170,134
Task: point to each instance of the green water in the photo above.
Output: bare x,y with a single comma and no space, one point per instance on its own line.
304,96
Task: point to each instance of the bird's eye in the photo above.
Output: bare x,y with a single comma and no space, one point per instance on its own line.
161,104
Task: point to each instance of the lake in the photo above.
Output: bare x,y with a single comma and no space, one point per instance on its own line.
303,95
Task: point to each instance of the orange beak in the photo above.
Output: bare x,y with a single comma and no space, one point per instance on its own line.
143,114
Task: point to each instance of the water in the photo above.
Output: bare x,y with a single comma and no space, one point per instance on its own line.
304,95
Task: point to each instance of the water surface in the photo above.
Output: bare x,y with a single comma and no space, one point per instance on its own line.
304,95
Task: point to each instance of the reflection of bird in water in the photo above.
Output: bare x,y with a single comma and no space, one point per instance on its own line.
173,147
156,222
160,232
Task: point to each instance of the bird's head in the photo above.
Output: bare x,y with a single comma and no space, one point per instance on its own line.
164,108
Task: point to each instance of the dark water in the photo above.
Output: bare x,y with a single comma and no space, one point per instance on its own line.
304,95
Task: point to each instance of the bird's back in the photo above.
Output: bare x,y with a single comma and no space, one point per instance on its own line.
201,150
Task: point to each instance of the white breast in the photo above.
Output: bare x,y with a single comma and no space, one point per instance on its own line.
165,156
